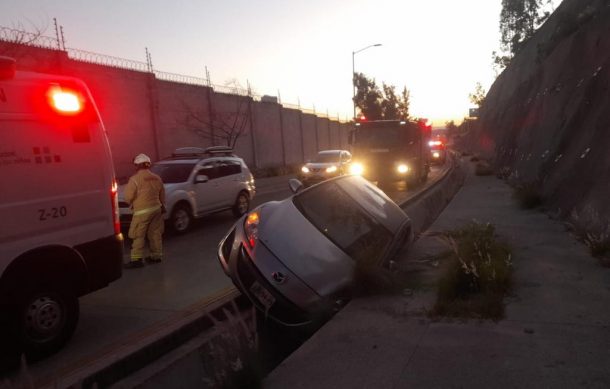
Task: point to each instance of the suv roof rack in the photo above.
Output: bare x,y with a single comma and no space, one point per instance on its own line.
198,152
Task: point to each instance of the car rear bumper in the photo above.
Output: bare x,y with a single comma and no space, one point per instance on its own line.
295,304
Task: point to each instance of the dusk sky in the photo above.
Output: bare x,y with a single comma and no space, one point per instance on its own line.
438,49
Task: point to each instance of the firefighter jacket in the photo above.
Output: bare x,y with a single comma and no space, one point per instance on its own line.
145,192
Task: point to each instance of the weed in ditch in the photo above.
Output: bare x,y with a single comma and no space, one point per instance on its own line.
230,358
477,276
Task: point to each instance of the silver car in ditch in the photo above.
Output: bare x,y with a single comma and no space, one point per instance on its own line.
295,259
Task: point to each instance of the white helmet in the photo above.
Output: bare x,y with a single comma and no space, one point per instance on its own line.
141,158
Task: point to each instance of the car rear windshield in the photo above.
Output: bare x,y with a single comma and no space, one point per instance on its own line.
335,214
173,173
327,157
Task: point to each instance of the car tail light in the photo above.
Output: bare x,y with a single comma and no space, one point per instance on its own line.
251,228
114,199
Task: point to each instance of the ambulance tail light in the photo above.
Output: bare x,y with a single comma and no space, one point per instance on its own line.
114,199
65,101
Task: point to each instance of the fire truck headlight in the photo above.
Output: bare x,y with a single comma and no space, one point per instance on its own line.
436,154
356,168
402,168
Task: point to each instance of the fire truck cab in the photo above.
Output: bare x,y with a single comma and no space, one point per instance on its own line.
390,150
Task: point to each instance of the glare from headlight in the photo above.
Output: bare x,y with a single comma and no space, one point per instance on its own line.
402,168
357,169
305,169
331,169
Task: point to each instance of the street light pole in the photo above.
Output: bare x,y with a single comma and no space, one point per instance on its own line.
354,74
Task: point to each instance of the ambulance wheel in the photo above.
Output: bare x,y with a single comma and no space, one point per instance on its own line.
46,318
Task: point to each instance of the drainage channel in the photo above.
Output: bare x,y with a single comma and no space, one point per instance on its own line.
225,330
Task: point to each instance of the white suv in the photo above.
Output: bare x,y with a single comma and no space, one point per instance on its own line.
199,182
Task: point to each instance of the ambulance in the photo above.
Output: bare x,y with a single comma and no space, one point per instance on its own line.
60,234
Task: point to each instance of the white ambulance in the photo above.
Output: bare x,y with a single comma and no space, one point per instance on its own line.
60,233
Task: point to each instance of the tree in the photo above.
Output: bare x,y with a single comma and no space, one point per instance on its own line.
452,128
376,104
368,97
478,96
519,19
225,126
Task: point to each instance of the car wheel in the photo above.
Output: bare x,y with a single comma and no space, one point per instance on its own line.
242,204
46,319
181,218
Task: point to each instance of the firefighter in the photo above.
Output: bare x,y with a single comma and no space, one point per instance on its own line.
146,197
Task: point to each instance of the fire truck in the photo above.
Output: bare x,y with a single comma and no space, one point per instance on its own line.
391,150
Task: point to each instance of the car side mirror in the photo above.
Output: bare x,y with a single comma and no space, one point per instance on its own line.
201,178
295,185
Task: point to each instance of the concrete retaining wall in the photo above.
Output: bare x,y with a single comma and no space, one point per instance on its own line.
145,114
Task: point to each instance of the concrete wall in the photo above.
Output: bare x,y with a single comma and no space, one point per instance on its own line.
291,123
269,135
143,114
310,135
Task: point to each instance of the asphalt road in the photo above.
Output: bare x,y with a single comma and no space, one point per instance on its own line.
189,275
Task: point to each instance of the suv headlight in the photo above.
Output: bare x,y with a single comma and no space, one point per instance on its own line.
305,169
331,169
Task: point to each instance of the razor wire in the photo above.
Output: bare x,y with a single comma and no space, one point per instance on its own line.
12,35
107,60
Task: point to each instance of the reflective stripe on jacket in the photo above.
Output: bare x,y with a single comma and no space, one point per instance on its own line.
145,192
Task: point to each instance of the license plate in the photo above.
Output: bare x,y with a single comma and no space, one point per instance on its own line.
262,295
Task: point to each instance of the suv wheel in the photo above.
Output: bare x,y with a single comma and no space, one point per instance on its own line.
242,204
180,218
